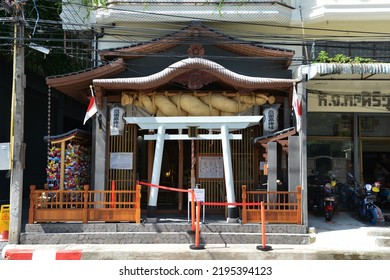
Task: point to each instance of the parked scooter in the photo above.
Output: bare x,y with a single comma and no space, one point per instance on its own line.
383,197
329,201
316,183
355,190
366,203
321,195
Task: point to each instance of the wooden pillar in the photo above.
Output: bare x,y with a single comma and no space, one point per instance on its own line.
138,204
244,216
272,166
62,170
299,204
294,164
181,175
31,209
85,204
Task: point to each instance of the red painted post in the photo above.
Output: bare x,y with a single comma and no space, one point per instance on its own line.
197,224
197,246
263,246
263,228
138,204
113,199
192,210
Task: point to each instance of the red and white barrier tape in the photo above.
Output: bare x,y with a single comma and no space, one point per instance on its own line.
203,203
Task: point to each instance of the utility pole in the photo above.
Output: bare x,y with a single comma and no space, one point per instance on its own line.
17,126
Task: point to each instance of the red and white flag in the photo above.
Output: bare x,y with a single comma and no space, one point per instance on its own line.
92,108
297,105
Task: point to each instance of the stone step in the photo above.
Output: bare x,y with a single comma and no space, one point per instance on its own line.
160,227
385,232
161,238
381,235
382,241
149,233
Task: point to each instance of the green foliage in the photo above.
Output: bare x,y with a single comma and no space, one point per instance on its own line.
67,65
47,35
358,59
323,57
50,36
341,58
222,2
94,3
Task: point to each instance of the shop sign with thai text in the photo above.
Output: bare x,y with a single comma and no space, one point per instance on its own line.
366,102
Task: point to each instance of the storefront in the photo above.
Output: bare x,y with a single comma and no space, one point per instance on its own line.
348,116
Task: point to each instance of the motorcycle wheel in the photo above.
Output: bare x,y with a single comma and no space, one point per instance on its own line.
328,216
371,216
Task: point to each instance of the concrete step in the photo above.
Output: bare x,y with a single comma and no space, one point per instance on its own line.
160,227
162,238
379,232
382,236
382,241
158,233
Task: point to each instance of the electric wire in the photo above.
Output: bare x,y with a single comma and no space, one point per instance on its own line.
78,18
54,27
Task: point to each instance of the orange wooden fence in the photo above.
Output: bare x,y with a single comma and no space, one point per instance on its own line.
280,206
84,205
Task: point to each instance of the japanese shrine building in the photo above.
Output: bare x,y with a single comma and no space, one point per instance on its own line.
143,80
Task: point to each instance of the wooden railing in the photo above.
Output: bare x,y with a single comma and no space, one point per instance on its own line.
84,205
280,206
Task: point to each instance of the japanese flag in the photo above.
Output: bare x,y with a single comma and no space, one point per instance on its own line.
92,108
297,105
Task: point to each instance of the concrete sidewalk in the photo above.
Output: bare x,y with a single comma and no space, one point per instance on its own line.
343,238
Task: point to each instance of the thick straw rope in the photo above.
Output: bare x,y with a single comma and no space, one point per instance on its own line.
187,104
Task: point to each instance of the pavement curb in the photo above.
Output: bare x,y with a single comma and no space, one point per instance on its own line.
183,252
41,254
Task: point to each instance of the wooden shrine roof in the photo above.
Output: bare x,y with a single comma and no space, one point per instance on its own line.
276,136
76,85
202,68
75,134
195,33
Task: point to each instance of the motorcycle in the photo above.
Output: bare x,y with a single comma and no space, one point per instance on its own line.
329,201
315,186
321,195
383,198
353,188
366,203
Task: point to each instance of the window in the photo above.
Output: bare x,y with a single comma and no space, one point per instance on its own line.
330,124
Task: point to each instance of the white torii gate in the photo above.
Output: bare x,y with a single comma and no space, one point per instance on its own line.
223,123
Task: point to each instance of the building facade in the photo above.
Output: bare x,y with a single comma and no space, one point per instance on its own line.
234,58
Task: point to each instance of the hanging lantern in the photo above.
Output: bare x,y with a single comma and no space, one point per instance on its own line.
117,123
270,119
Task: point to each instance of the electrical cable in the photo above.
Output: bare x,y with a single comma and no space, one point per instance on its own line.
271,39
254,24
